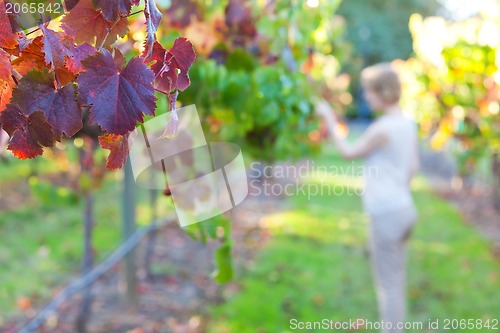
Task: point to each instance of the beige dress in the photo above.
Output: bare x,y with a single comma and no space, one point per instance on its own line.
388,202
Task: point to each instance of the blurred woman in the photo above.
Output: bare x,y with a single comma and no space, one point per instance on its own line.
389,147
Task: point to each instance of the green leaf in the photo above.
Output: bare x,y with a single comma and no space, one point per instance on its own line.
268,114
223,264
240,60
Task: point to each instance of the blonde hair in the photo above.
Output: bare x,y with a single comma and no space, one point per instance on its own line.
384,80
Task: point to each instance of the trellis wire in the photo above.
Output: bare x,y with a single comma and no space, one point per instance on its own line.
82,282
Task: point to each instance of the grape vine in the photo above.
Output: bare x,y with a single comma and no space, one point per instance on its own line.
49,82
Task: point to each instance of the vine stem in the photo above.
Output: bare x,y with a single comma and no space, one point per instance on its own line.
58,82
108,31
32,31
129,228
17,76
114,24
137,12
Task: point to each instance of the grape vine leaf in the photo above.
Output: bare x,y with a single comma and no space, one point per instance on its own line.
181,13
85,24
36,91
23,41
6,81
52,49
119,95
239,19
153,20
171,67
8,39
183,52
55,52
78,53
29,133
224,265
70,4
32,57
118,147
111,9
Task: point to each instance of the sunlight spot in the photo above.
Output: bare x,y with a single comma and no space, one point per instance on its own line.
312,3
344,224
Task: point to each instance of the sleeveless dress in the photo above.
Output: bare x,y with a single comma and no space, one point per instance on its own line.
387,169
389,204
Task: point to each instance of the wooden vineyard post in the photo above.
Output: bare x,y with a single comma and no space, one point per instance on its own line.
129,227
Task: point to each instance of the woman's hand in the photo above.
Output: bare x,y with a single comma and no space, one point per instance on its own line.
324,110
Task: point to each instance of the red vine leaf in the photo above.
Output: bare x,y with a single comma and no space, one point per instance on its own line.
64,76
8,39
181,13
6,81
36,91
70,4
32,57
38,55
153,20
12,119
85,24
118,147
55,52
171,67
111,9
119,59
29,133
5,93
120,96
239,20
183,81
78,53
183,52
165,75
23,41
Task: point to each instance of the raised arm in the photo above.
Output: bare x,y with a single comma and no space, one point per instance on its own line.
373,138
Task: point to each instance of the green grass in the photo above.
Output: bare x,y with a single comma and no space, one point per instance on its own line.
13,169
42,245
316,265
